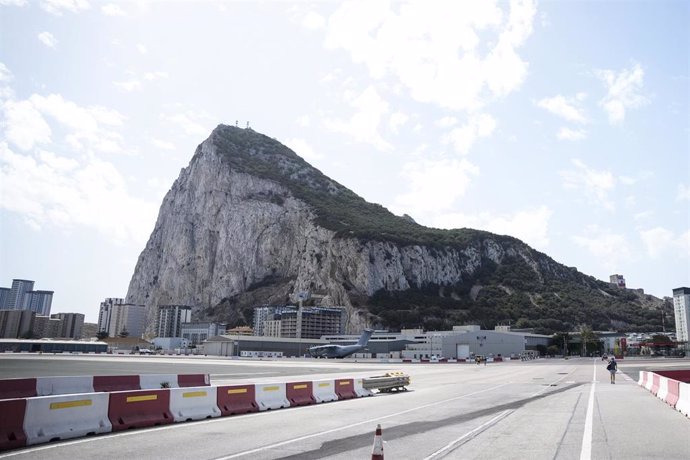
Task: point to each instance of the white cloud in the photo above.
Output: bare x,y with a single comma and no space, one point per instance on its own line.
142,49
567,134
659,241
193,123
612,250
397,120
478,125
313,21
50,190
567,108
447,122
5,74
85,128
433,48
623,92
363,126
153,76
434,185
596,185
47,39
303,149
13,2
129,85
57,7
683,193
163,145
530,226
304,121
111,9
24,125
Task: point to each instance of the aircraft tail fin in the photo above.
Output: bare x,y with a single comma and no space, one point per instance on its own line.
364,338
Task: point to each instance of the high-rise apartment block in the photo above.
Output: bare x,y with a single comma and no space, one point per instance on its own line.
170,318
70,324
16,323
681,309
117,317
21,296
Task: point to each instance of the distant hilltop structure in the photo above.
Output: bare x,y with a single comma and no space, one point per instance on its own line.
617,280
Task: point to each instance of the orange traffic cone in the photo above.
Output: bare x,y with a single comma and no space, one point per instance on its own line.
377,450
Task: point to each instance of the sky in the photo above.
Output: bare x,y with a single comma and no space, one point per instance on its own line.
564,124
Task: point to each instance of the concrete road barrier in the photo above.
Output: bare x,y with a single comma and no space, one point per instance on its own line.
683,404
663,388
49,418
324,391
300,393
193,380
17,388
673,392
137,409
360,391
237,399
48,386
12,423
157,381
116,383
271,396
345,388
656,381
194,403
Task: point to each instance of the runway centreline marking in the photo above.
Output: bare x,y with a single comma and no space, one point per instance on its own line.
586,450
313,435
225,419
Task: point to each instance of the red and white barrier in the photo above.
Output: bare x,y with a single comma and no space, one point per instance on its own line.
138,409
662,392
237,399
683,404
345,388
49,418
300,393
48,386
12,423
360,390
324,391
194,403
271,396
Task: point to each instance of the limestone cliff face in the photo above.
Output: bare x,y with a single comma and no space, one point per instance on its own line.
235,221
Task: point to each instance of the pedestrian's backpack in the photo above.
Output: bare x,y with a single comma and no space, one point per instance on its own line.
609,367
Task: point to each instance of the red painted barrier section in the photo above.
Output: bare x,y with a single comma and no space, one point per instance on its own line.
17,388
498,359
673,392
12,423
193,380
345,388
407,360
237,399
115,383
644,379
137,409
300,393
656,382
681,375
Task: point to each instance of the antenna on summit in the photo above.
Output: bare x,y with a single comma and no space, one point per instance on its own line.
247,125
236,123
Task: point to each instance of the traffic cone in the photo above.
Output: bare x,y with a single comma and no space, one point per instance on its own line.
377,450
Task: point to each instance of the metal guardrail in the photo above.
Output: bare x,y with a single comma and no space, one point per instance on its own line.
391,381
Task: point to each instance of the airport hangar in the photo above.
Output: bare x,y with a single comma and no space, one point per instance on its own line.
461,342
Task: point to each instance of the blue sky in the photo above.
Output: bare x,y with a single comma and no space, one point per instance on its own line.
565,124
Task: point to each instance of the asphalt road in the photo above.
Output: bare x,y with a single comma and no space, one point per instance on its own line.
544,409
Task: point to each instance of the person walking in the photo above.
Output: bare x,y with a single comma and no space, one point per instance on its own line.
612,368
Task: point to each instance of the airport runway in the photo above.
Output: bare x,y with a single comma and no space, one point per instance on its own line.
544,409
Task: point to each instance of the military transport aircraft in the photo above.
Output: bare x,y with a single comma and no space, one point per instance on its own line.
341,351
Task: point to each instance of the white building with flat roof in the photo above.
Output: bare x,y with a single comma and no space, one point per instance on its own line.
116,316
681,310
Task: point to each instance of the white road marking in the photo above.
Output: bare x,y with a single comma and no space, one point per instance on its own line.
586,451
474,432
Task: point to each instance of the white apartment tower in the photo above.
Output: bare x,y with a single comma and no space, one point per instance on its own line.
681,309
170,318
116,316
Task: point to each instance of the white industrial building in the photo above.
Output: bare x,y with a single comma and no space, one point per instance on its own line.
116,316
